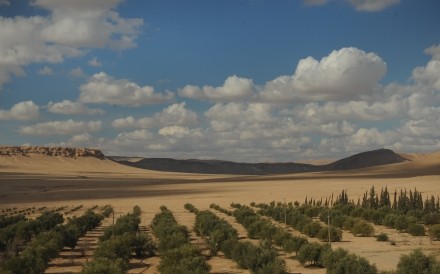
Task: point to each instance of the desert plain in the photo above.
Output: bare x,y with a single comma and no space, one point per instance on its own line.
54,181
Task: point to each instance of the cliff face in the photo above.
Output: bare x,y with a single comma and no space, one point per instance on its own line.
51,151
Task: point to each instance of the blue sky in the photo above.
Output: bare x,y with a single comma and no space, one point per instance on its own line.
242,80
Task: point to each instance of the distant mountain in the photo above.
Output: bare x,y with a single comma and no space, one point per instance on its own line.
366,159
361,160
218,167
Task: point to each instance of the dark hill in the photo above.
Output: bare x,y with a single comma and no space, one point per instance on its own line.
366,159
361,160
219,167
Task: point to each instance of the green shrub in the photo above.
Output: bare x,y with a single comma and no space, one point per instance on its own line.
416,229
104,265
183,259
417,262
352,264
382,237
312,229
294,244
310,253
434,232
335,234
401,223
362,228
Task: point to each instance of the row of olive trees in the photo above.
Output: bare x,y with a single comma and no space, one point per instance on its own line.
336,262
177,254
300,221
221,236
46,245
9,220
119,242
22,231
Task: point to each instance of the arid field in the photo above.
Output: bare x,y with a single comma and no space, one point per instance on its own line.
56,181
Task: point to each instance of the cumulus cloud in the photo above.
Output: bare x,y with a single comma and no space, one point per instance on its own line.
76,72
69,127
67,107
27,110
234,88
344,74
175,114
94,62
103,89
434,51
69,29
394,107
372,5
45,71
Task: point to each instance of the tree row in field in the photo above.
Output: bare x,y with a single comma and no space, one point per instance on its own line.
177,254
117,245
50,241
221,236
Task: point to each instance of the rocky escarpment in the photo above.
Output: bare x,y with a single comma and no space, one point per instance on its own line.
51,151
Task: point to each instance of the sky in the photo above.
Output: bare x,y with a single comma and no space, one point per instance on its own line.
239,80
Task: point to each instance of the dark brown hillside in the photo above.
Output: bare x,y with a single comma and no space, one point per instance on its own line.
366,159
219,167
361,160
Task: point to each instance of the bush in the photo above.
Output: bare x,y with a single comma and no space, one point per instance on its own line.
335,234
184,259
104,265
294,244
416,229
362,228
330,258
401,223
434,232
352,264
382,237
312,229
431,219
310,253
417,262
142,245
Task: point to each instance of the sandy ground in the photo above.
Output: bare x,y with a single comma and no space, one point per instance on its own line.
56,181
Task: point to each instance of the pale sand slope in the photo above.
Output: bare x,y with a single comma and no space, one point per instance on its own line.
39,181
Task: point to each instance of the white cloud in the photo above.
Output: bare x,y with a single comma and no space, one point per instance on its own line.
89,24
428,75
67,107
175,114
103,89
234,88
344,74
94,62
45,71
137,135
69,29
76,72
434,51
394,107
174,131
27,110
69,127
5,3
372,5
